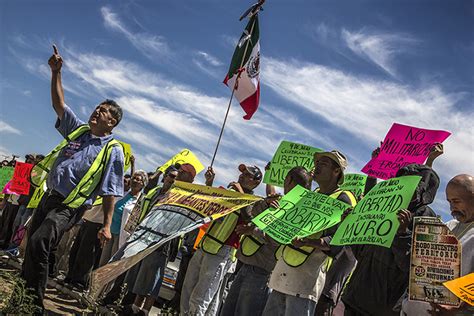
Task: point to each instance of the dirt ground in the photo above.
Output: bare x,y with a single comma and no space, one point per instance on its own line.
56,303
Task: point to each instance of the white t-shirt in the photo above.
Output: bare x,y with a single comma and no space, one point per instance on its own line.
306,281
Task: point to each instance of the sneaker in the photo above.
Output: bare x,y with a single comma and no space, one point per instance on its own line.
13,251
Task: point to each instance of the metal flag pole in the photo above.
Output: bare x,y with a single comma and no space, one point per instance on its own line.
254,9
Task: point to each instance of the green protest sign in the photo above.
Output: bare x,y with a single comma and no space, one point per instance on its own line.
6,173
287,156
374,219
301,213
355,183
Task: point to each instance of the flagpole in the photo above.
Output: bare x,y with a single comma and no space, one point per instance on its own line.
254,11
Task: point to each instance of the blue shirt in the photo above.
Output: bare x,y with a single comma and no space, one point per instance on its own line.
75,159
118,212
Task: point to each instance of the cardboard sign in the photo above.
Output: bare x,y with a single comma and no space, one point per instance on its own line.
435,258
301,213
6,173
463,288
184,156
374,219
287,156
21,178
355,183
402,146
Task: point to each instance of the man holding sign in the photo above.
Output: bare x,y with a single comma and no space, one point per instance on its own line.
298,279
460,195
86,164
381,275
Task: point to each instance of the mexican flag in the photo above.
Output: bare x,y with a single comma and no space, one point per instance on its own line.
247,90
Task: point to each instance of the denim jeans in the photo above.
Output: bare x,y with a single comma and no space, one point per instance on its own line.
279,304
248,293
203,280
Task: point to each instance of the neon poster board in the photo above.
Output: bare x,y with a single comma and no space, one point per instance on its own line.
402,146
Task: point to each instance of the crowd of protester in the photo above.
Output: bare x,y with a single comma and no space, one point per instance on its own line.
235,268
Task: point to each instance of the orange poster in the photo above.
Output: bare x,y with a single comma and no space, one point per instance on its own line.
463,288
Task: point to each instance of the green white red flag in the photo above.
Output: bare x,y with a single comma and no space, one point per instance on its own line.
246,69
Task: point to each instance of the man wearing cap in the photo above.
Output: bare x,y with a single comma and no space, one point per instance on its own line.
213,259
300,272
343,260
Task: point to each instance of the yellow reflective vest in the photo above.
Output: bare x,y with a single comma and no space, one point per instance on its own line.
91,179
149,201
294,256
249,245
218,233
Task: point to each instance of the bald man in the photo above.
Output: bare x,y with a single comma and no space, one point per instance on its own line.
460,195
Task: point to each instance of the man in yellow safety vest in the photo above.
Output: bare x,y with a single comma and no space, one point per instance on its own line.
88,163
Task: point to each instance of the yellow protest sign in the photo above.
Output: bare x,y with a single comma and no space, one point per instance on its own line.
463,288
184,156
127,153
206,201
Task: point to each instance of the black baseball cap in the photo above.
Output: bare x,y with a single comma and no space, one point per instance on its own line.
253,170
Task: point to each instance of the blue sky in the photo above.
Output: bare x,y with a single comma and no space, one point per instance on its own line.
334,75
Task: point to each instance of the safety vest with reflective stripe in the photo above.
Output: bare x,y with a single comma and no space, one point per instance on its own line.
149,201
89,181
218,233
294,256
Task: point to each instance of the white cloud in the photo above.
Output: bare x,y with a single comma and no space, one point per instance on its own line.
378,48
208,63
7,128
213,61
229,41
148,44
366,108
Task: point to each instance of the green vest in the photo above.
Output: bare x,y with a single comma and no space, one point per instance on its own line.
149,201
88,183
218,233
249,245
295,257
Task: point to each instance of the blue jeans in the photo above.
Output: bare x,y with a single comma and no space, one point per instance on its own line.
279,304
248,293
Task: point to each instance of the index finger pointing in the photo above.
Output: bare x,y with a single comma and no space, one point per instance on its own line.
55,49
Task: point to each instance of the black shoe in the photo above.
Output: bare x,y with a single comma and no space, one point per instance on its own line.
75,286
127,310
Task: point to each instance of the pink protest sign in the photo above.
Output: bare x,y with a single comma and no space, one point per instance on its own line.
20,183
402,146
6,189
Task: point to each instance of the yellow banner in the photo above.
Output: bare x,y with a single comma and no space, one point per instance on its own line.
184,156
463,288
206,201
182,209
127,153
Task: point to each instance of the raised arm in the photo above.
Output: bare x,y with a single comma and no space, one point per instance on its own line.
57,94
210,175
436,151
